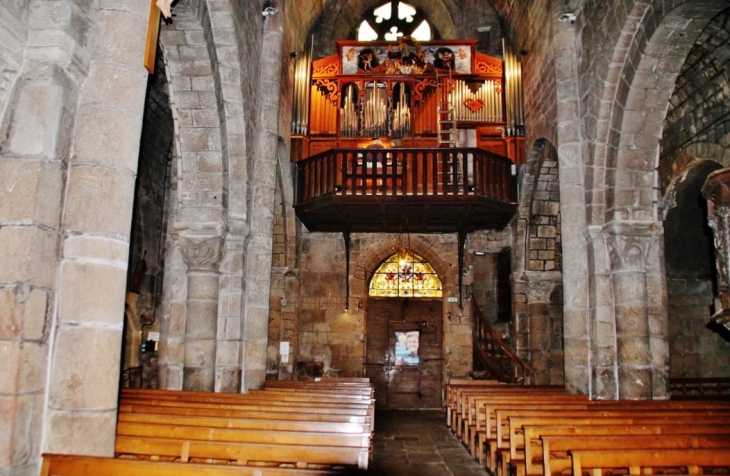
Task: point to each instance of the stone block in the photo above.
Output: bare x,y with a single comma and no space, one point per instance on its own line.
32,192
120,38
92,292
634,383
25,254
206,118
64,428
10,358
37,115
85,369
33,367
117,85
98,128
200,353
98,201
201,320
203,285
227,379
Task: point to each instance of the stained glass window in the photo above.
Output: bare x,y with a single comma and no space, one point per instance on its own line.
405,274
379,23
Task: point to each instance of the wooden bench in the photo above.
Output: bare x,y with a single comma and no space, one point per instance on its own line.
243,435
261,412
451,390
224,452
318,426
501,447
535,455
556,448
257,421
481,426
516,453
73,465
461,405
689,461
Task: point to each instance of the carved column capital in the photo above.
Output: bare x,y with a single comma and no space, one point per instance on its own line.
202,254
541,284
629,245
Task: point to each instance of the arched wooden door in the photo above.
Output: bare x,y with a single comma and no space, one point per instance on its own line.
405,380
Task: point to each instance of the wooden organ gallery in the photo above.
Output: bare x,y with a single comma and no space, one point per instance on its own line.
383,129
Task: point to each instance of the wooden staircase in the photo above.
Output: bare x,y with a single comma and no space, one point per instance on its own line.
492,354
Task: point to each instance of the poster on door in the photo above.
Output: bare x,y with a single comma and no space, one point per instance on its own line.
406,347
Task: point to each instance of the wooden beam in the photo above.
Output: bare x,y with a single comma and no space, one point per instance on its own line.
153,33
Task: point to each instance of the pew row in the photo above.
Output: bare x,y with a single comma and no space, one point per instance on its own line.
651,461
72,465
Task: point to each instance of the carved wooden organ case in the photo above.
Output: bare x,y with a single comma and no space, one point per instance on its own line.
394,92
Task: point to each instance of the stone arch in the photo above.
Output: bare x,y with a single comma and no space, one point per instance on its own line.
202,212
649,69
683,164
623,198
691,277
537,274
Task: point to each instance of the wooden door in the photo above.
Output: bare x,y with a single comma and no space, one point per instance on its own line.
405,381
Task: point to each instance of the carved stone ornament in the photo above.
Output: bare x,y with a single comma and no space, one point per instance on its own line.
629,252
202,255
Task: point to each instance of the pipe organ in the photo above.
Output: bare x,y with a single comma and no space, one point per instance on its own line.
390,92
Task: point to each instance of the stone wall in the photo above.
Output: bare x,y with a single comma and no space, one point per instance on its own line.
329,333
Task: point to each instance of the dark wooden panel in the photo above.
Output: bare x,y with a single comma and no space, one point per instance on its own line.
405,387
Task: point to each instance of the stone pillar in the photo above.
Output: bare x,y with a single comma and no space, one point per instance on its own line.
540,286
637,336
201,324
86,334
259,244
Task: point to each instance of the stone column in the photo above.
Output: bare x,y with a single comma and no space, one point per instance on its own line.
201,324
259,243
103,153
540,288
629,248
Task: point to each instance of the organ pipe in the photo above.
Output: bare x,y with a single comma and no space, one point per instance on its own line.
483,105
514,105
301,98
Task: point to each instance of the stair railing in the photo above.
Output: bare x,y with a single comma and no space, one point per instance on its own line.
501,361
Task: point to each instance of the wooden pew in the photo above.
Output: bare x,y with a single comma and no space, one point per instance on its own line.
534,453
517,453
72,465
255,422
263,405
556,448
272,427
462,397
451,390
510,422
300,456
261,412
691,461
483,427
243,435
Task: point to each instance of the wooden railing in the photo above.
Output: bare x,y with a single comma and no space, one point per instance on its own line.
407,172
700,388
497,357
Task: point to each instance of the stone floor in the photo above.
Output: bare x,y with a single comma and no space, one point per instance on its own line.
418,443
